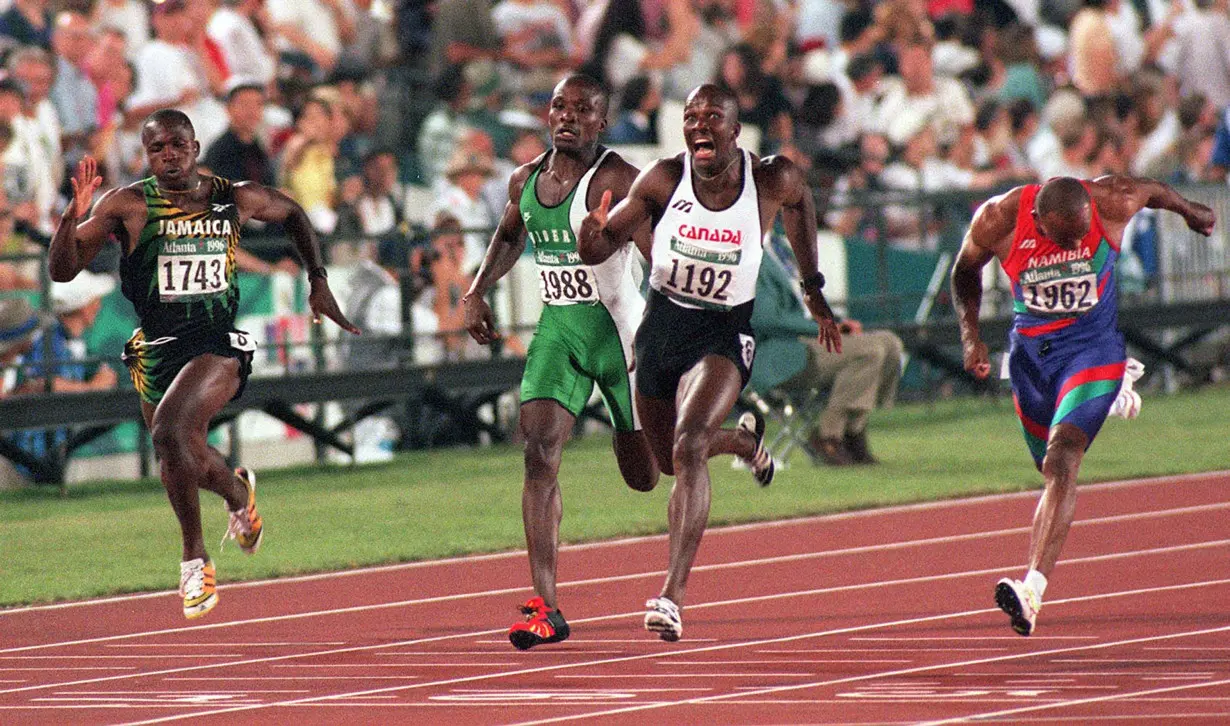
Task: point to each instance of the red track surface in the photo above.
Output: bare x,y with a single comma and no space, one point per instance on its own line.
874,617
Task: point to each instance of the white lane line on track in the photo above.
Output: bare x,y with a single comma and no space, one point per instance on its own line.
778,662
1074,702
227,643
785,639
641,575
638,614
1085,674
755,674
294,678
1168,481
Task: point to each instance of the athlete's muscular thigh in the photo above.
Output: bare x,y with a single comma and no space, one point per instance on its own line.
658,421
198,393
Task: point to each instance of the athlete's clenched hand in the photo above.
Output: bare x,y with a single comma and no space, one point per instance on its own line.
479,319
977,359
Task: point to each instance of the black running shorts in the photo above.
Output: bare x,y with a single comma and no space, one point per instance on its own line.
672,339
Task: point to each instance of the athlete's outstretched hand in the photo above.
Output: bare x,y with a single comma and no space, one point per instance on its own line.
85,182
830,329
323,305
596,220
977,359
478,318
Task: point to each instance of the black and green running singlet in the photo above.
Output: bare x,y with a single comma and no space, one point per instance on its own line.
181,275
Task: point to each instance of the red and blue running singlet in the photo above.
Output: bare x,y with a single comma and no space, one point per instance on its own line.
1055,289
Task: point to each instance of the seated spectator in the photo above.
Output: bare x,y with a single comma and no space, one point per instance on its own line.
233,28
19,325
462,199
537,40
317,29
860,378
439,132
376,211
39,124
762,101
26,172
638,108
129,17
238,153
308,163
75,305
918,90
171,73
27,22
855,216
74,94
449,281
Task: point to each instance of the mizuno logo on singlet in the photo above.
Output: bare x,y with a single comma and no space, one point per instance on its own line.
1029,244
1056,258
682,205
194,227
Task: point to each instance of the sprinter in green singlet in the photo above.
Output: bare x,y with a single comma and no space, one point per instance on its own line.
179,230
584,335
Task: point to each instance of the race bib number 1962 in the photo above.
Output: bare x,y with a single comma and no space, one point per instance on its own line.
190,269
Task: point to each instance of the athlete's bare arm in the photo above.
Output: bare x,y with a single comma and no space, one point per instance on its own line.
1118,198
605,230
989,236
74,244
618,176
783,182
507,244
259,202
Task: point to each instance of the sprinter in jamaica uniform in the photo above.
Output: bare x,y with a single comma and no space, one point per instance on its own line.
179,230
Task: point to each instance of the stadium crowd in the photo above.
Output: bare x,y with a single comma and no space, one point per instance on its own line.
387,116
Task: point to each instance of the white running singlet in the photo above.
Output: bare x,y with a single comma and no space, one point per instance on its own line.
707,258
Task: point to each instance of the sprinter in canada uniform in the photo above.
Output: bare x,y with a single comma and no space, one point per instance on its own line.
178,231
710,207
1058,243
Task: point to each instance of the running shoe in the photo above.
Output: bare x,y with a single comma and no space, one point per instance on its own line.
1020,602
662,617
246,526
542,625
761,462
198,586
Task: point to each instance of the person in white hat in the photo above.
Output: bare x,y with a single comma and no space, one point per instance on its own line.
19,323
75,305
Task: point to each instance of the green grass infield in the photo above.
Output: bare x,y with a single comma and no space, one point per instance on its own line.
111,537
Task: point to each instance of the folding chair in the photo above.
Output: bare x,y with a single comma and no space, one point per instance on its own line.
796,412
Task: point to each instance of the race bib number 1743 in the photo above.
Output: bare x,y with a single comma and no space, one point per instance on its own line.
192,269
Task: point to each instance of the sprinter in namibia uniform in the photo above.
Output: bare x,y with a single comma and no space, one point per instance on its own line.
178,231
584,336
1058,243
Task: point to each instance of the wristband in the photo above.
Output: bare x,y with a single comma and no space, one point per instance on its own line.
813,282
318,271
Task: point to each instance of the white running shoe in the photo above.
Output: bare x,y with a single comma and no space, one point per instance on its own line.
663,618
198,587
1127,403
761,463
1020,602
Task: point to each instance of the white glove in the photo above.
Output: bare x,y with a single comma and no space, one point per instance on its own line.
1127,403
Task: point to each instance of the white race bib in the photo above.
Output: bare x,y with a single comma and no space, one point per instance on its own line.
190,269
562,281
699,275
1065,296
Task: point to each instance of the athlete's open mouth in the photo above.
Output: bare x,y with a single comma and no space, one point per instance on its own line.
565,132
703,148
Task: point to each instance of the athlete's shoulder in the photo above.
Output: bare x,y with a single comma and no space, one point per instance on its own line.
777,174
660,178
996,218
123,199
520,175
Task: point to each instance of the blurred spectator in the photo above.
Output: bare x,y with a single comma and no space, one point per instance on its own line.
19,325
75,305
858,34
450,278
462,32
376,211
852,217
309,163
34,69
373,43
1023,122
27,22
1023,77
917,90
74,95
818,24
622,48
1157,119
710,29
762,102
1094,60
171,74
14,276
1201,59
129,17
120,149
108,60
208,52
634,124
466,173
24,166
1077,142
438,135
317,29
238,153
233,28
538,43
375,298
